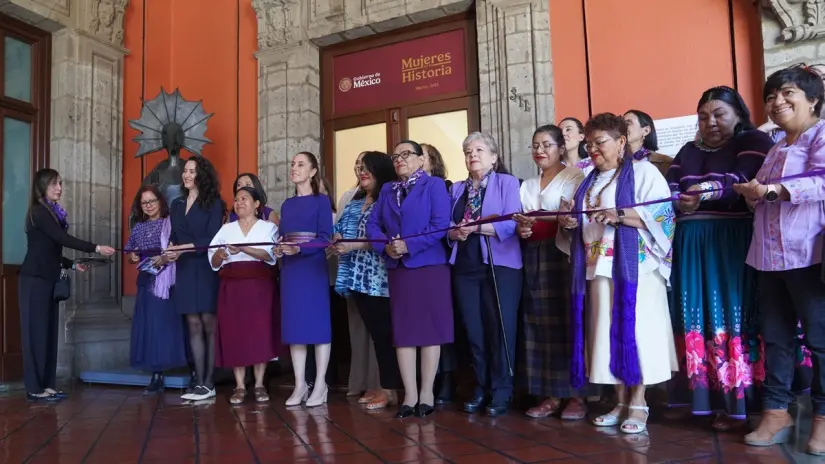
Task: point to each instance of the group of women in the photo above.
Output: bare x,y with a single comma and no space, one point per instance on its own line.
616,265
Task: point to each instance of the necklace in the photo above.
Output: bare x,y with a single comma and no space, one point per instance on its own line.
598,202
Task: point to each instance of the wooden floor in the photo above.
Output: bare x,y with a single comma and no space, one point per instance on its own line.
118,425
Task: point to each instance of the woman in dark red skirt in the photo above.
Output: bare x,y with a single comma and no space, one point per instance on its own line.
247,296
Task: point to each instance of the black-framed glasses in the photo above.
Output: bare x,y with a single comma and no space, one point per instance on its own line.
542,146
149,202
361,169
404,155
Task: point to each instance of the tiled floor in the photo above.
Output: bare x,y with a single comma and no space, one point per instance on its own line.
118,425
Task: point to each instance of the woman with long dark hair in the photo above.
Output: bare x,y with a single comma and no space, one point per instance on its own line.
305,316
642,140
157,341
47,228
196,217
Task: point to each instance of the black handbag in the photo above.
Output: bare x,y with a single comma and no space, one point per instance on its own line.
63,287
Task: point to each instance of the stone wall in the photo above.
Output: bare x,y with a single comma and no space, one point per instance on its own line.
86,148
514,53
792,33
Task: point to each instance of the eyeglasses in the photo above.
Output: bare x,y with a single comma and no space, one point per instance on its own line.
597,145
542,147
149,202
404,155
361,169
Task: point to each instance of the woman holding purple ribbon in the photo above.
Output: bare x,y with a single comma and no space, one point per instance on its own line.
786,250
488,190
47,226
408,225
306,218
157,341
642,141
712,298
620,256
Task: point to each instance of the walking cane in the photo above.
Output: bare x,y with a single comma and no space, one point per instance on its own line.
498,305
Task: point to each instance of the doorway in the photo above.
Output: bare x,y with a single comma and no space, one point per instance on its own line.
418,83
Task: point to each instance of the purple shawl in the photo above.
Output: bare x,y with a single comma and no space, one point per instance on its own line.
166,278
624,357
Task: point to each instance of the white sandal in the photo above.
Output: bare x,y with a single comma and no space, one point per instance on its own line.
634,426
609,419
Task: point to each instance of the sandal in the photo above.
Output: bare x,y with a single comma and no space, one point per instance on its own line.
382,400
576,409
261,396
633,426
547,408
238,395
610,419
368,396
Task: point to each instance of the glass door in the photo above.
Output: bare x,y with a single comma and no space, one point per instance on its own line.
344,140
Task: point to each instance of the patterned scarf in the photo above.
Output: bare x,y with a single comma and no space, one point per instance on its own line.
641,154
60,213
166,278
472,210
624,357
402,187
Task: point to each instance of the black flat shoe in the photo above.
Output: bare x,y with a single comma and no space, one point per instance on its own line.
424,410
497,409
155,385
405,411
35,398
60,394
474,405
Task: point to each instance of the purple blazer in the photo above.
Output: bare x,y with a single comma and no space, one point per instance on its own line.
426,208
501,197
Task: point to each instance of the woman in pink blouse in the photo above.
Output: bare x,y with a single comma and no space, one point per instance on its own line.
789,217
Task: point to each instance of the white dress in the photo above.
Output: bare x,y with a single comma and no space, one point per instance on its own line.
654,333
564,185
261,231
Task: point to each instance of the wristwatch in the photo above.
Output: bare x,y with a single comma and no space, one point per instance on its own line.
771,195
620,216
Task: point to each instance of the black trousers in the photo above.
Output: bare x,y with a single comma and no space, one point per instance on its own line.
375,312
784,298
38,332
474,296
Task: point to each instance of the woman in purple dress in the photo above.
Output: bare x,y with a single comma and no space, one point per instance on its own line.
157,341
305,317
196,217
264,212
415,204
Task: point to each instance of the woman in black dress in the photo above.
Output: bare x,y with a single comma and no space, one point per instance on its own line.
47,228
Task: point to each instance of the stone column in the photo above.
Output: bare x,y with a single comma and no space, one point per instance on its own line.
86,148
289,112
515,75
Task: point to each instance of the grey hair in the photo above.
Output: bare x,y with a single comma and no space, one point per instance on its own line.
484,138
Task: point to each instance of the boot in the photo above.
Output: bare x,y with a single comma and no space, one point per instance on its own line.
774,427
155,385
816,444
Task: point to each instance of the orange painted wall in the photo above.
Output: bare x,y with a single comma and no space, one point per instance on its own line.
208,54
653,55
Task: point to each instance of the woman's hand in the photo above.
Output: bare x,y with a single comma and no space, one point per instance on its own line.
171,255
342,248
105,250
568,221
606,217
524,231
399,247
277,251
753,191
290,250
233,249
222,254
159,261
689,203
80,267
134,258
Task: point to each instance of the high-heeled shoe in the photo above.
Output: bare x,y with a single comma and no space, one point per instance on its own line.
312,402
296,399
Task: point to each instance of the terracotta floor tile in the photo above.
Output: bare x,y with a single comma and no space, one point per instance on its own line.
407,454
487,458
458,448
346,447
536,454
356,458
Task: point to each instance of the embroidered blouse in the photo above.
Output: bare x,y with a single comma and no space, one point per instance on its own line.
788,234
361,271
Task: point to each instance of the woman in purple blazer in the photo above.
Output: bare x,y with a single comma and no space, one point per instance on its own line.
488,190
421,299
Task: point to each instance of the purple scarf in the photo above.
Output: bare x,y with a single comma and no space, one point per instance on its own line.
641,154
402,187
624,357
60,213
166,278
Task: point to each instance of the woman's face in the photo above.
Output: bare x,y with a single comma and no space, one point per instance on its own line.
605,150
545,151
635,132
301,169
478,158
244,181
789,106
149,204
572,135
406,160
366,180
717,120
55,190
358,165
245,205
189,174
